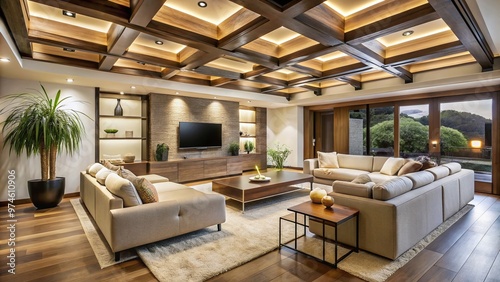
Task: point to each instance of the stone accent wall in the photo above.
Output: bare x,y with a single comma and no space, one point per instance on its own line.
166,111
261,132
355,136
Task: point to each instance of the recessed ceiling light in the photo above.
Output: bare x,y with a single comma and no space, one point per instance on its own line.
133,87
121,92
69,50
176,93
5,60
69,80
215,97
408,33
202,4
69,14
159,42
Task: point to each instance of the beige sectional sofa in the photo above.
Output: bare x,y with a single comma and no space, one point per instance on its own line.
179,210
395,211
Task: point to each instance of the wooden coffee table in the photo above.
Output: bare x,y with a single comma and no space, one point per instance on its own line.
334,216
243,190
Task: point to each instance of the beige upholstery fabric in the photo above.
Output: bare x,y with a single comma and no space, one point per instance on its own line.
439,172
155,178
420,178
94,169
451,198
392,165
111,166
345,174
127,174
409,167
358,162
378,163
453,167
355,189
362,179
167,187
392,188
378,177
103,174
328,160
124,189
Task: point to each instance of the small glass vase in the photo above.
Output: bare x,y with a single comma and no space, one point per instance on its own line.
118,108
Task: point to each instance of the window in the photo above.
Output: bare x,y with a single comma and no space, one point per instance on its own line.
381,136
413,130
357,132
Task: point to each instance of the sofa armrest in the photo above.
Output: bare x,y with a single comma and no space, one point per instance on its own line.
139,225
310,165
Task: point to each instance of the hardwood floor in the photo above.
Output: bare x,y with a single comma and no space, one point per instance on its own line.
51,246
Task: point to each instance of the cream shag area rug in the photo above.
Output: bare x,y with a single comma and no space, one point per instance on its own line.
206,253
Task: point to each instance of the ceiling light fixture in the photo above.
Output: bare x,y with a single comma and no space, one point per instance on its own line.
132,87
5,60
408,33
121,92
202,4
69,14
69,80
69,50
159,42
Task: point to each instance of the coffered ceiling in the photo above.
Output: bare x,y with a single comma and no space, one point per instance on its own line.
269,47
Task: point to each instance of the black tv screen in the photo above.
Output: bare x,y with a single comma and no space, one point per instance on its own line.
199,135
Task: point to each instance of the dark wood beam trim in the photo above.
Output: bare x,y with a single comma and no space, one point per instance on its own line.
168,73
272,88
426,54
151,60
41,37
239,87
247,33
316,90
198,59
333,73
221,81
416,16
190,80
136,72
457,15
319,35
354,83
119,40
143,11
218,72
251,56
306,54
270,80
17,17
405,74
260,70
187,37
64,60
305,70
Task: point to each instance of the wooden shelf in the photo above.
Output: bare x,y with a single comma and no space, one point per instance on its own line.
122,138
128,117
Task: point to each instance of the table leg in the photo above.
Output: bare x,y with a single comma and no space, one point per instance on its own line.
324,236
295,231
336,244
357,233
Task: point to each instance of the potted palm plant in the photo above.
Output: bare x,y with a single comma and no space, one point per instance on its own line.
39,125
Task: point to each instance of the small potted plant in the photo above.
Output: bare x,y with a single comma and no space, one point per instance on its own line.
234,149
161,153
248,146
278,155
110,132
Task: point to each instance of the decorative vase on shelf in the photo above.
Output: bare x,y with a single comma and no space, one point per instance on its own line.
118,108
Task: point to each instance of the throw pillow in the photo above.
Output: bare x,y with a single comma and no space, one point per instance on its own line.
147,191
409,167
123,189
328,160
426,162
103,174
362,179
94,169
392,165
127,174
111,166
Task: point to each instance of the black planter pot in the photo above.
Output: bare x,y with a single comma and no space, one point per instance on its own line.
46,194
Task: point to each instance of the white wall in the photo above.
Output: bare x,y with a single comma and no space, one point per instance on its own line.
286,126
67,166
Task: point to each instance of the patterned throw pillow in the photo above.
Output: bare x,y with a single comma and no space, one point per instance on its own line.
410,167
362,179
147,191
109,165
127,174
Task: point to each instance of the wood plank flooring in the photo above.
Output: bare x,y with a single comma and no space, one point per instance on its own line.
51,246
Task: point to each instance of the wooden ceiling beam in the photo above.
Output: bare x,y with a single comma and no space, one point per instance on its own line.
247,33
150,60
260,70
218,72
457,15
137,72
354,83
190,80
17,18
119,40
306,54
42,37
316,90
199,59
270,80
64,60
234,86
333,73
221,81
426,54
143,11
408,19
305,70
272,88
169,73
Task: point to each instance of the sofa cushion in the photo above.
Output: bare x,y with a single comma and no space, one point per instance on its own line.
378,177
392,188
439,172
362,179
94,169
168,187
354,189
111,166
155,178
345,174
103,174
358,162
328,160
453,167
426,162
147,191
378,162
392,166
127,174
409,167
420,178
123,189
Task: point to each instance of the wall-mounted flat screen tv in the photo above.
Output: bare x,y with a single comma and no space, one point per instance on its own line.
199,135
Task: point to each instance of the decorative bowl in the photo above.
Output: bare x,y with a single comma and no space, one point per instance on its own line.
129,158
316,195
